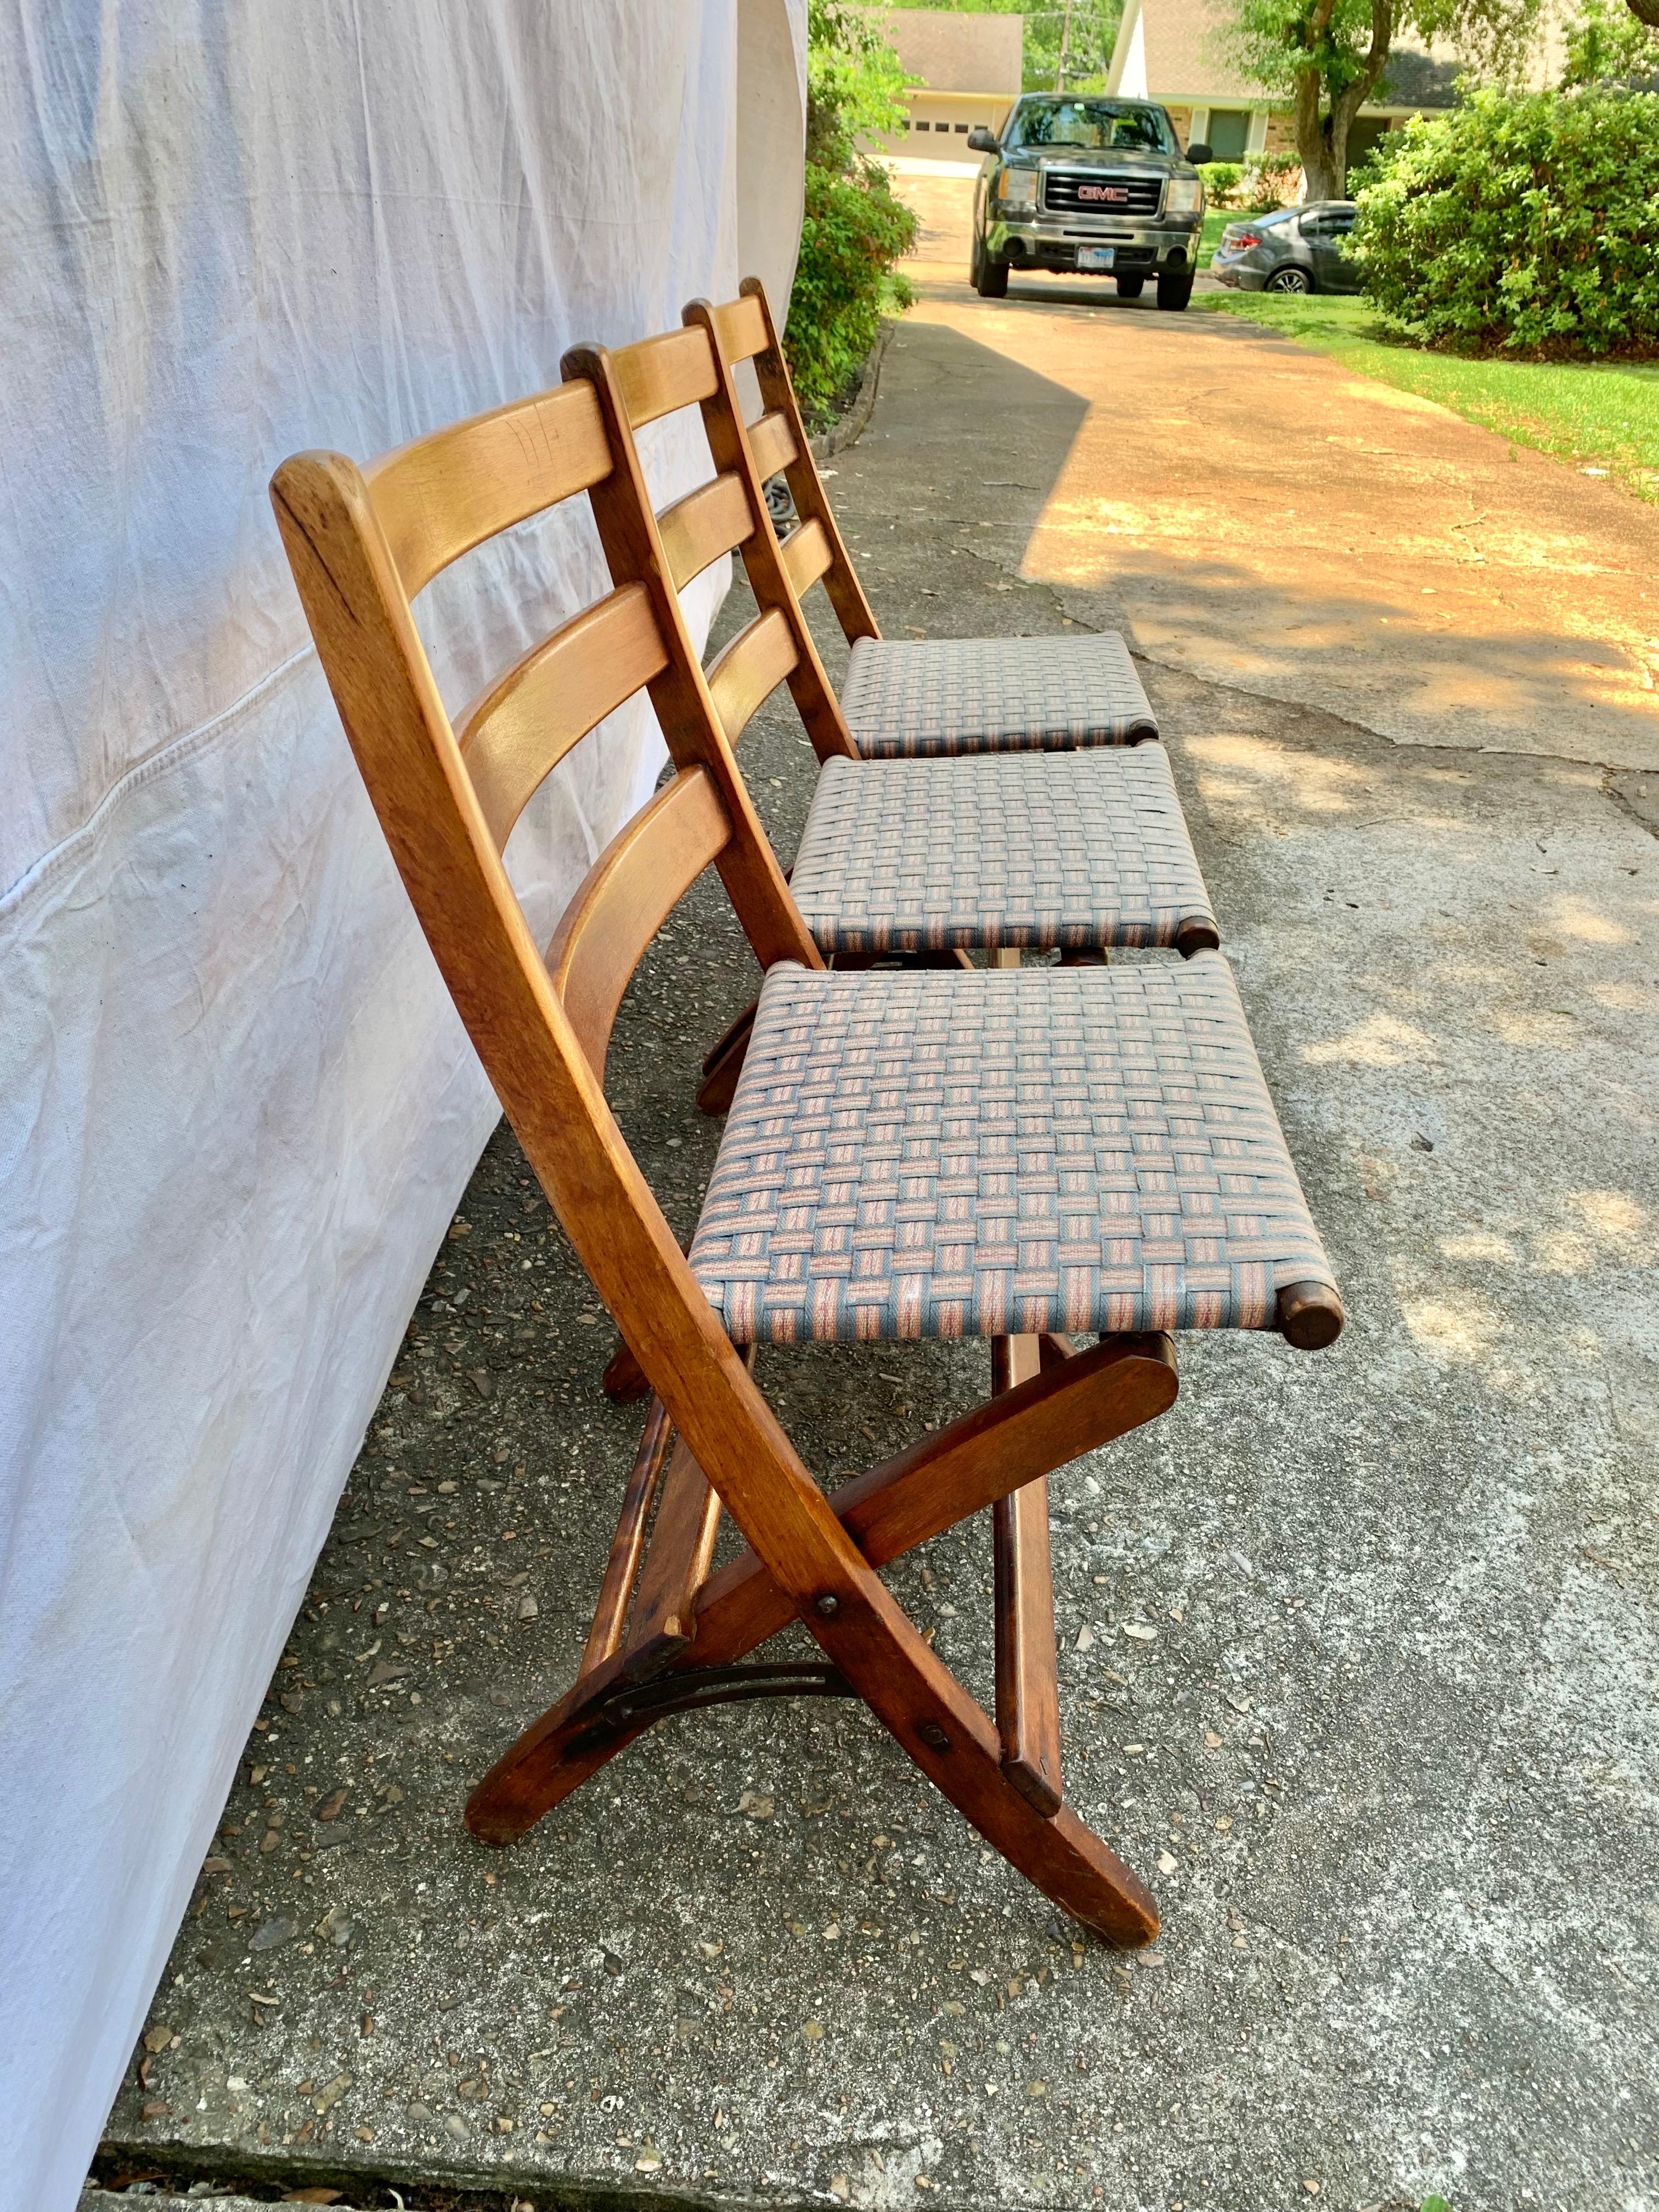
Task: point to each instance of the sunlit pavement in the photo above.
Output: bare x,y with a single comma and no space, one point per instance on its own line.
1387,1754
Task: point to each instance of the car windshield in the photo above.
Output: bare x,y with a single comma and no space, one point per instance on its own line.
1098,125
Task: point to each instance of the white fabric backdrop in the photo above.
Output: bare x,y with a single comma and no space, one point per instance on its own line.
236,1110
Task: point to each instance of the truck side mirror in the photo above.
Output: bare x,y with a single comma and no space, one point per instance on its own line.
1199,155
981,141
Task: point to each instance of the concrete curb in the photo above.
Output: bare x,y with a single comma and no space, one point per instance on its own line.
851,427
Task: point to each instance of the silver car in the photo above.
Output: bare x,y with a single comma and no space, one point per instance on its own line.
1292,250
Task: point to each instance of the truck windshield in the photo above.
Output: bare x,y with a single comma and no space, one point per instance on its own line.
1098,126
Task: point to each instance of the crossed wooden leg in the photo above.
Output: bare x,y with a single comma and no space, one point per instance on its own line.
690,1632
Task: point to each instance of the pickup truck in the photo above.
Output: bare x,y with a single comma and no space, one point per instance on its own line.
1090,186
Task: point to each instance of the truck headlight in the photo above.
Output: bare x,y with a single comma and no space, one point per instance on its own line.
1184,197
1018,188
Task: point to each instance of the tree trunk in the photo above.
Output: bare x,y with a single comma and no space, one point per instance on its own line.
1322,139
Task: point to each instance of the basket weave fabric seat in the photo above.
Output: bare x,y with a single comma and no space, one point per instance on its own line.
921,1154
921,698
1077,850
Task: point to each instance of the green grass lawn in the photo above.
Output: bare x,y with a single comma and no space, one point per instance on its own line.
1593,416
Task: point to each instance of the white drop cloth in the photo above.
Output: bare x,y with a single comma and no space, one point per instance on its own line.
236,1110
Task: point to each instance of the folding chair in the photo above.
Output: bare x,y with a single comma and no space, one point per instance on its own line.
909,698
910,1154
1081,851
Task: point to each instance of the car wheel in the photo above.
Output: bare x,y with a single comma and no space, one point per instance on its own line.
1289,280
1175,289
990,277
1131,287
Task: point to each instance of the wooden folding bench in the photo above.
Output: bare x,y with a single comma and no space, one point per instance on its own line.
1081,851
907,698
910,1154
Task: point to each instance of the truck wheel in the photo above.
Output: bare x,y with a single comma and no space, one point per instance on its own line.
1175,288
990,275
1131,287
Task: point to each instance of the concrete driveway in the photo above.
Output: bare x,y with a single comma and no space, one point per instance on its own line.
1251,513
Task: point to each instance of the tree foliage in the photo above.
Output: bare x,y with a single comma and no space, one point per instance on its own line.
1610,44
1520,223
853,231
1327,58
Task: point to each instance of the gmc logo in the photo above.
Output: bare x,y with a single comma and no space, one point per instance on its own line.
1116,194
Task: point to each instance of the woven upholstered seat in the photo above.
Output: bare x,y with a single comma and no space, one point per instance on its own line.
915,1154
1077,850
918,698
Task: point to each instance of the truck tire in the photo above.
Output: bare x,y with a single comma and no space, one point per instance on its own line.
1131,287
990,275
1175,288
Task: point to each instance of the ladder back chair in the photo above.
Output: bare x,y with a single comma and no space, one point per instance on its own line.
911,698
1080,851
1090,1148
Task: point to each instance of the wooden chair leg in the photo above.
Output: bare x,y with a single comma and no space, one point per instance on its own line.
1027,1662
624,1382
872,1648
627,1545
723,1064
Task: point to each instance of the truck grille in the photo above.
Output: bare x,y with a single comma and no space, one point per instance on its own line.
1087,191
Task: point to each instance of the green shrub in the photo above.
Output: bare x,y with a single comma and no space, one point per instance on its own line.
853,231
1525,224
1221,180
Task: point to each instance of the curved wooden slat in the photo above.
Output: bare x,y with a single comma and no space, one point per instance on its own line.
439,497
807,554
772,443
750,670
658,375
740,330
516,732
626,895
706,523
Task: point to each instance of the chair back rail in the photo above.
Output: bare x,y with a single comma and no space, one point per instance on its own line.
442,494
708,522
638,387
746,673
633,541
743,330
524,724
627,894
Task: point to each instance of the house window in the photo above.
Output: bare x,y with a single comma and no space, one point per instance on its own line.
1230,127
962,130
1365,134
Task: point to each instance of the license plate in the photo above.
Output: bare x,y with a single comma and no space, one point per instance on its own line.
1095,257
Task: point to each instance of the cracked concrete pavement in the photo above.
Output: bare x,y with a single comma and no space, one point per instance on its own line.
1388,1754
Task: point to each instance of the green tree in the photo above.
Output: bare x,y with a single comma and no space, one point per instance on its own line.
1328,57
1612,46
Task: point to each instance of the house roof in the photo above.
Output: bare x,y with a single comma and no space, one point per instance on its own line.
951,52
